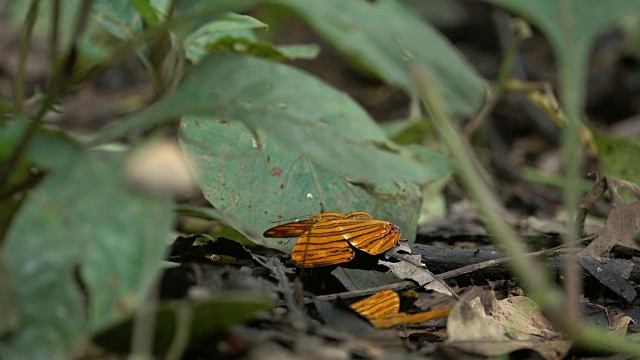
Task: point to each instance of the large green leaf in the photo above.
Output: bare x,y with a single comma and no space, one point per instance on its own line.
48,149
383,37
260,181
618,156
231,25
119,17
570,24
83,251
298,109
9,316
387,38
234,32
572,27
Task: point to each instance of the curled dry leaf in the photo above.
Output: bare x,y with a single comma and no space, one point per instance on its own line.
412,268
619,324
622,223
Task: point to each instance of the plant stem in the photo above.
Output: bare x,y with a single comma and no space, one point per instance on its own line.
496,92
521,32
184,320
25,44
55,88
542,290
571,95
53,38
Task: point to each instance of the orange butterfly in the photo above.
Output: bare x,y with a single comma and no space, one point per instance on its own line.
327,238
382,309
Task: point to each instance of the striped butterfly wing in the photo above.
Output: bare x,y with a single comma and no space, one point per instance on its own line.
382,303
324,238
324,244
391,320
358,215
292,229
298,228
382,310
373,237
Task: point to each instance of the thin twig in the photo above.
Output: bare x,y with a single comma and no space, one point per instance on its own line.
473,125
408,284
421,267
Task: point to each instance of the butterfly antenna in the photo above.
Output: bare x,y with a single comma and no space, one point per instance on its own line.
297,218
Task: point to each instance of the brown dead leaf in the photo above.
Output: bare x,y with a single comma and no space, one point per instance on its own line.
623,221
619,324
508,325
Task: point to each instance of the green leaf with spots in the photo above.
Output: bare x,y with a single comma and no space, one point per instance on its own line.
261,181
300,110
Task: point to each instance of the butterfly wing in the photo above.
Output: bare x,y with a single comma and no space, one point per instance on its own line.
323,245
382,310
358,215
373,237
298,228
382,303
391,320
292,229
324,238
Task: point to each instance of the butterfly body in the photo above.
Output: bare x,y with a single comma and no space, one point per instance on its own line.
330,238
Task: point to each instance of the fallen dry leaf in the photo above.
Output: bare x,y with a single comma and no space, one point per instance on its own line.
612,273
512,324
622,223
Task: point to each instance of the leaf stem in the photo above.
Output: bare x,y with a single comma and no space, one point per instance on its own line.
25,44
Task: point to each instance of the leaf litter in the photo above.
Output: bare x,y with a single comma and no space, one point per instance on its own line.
295,313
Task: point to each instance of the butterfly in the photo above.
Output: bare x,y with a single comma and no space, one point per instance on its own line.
382,309
330,238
